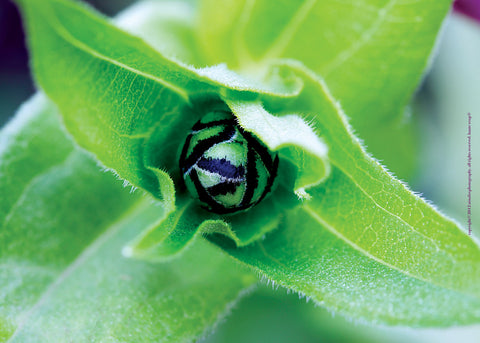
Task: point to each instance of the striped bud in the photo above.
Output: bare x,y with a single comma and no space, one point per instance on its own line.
226,168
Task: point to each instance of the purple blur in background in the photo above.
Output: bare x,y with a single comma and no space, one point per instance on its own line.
469,8
16,84
13,54
15,81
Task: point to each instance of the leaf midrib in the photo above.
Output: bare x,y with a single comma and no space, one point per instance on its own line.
71,39
338,60
285,37
323,88
277,49
330,228
367,194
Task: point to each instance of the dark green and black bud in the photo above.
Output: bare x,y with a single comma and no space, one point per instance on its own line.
225,167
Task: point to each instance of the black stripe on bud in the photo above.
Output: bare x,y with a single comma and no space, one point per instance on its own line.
225,167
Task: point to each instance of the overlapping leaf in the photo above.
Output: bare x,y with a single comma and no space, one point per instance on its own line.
421,260
371,53
364,245
286,134
167,238
141,105
62,225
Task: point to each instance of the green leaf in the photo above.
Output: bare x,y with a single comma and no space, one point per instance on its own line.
114,130
371,53
127,300
365,245
171,236
297,144
139,136
292,137
362,236
313,260
87,74
63,223
167,26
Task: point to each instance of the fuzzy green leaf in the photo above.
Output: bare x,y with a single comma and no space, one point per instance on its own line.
86,74
314,260
297,145
115,131
364,244
140,136
167,26
170,236
371,53
63,222
292,137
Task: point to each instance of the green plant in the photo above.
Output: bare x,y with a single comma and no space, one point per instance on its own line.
337,228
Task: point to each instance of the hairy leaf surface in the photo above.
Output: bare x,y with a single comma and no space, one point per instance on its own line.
380,230
371,53
63,222
363,245
132,107
121,99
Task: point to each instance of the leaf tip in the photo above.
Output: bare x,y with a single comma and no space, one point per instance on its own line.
302,194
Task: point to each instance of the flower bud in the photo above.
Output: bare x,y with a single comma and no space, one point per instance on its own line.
226,168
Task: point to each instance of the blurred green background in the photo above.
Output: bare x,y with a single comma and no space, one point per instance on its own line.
450,90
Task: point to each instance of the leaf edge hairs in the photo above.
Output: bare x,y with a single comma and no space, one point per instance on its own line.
224,167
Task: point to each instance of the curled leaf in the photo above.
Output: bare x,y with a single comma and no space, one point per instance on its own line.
86,75
171,235
367,237
294,139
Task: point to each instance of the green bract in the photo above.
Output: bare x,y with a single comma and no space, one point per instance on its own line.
225,167
336,226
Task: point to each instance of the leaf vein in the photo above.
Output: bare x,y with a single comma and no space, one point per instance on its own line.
366,37
330,228
68,37
286,36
